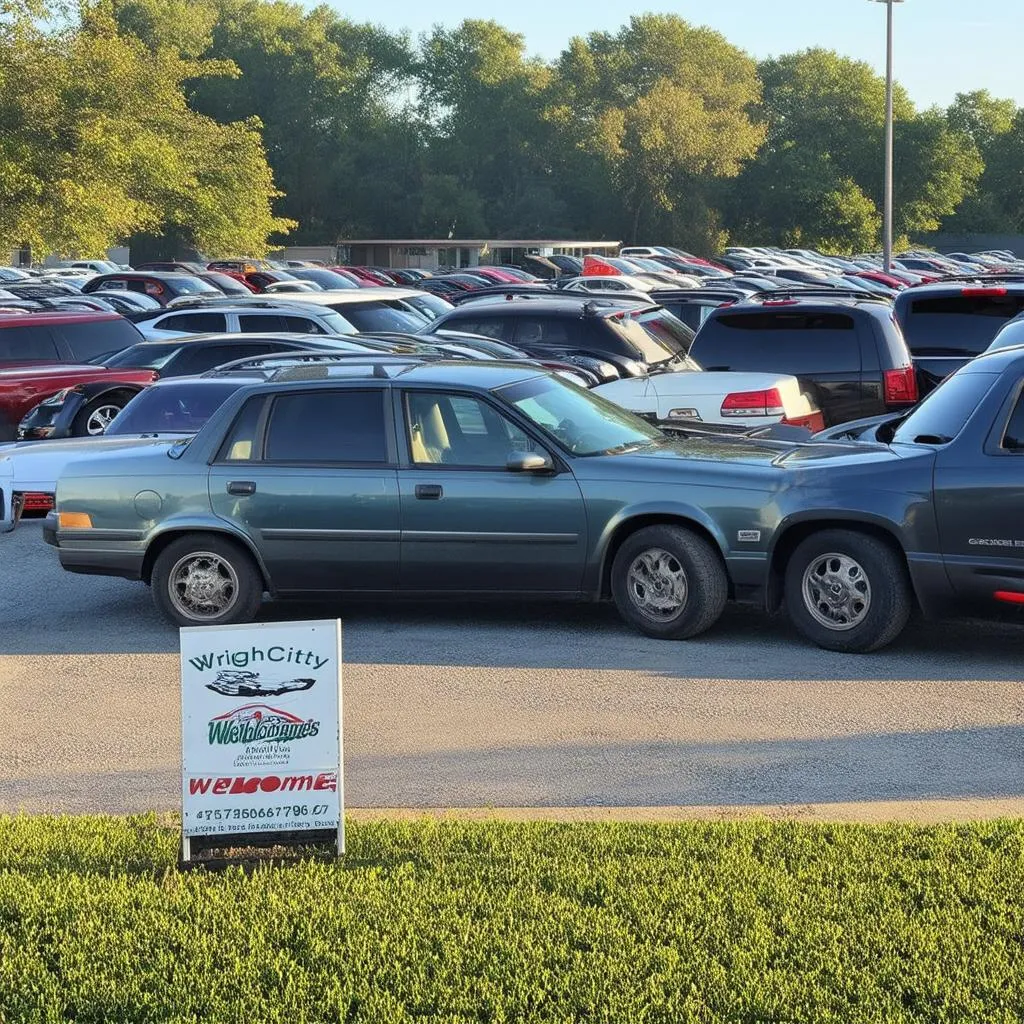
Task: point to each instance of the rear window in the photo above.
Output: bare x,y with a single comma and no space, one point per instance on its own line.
796,343
98,337
957,324
381,316
193,286
145,357
179,409
649,348
18,343
328,426
942,415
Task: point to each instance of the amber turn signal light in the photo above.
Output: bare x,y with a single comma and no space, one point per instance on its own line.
75,521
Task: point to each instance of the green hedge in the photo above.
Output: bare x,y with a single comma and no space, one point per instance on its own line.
442,921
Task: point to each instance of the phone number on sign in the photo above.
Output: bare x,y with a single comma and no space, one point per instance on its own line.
249,813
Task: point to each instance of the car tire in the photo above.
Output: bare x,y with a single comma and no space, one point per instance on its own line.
847,591
206,580
97,414
661,566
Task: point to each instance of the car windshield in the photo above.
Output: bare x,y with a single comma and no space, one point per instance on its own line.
381,316
652,349
942,415
578,420
148,356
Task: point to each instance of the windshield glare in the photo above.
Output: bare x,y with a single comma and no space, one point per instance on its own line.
577,419
177,408
943,413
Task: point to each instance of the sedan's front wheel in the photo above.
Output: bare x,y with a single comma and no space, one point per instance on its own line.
205,580
669,582
846,591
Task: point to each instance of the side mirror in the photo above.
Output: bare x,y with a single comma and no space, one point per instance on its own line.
529,462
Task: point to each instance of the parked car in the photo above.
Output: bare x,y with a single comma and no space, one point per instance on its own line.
948,323
22,388
172,266
62,337
488,479
631,336
246,316
161,286
167,409
848,353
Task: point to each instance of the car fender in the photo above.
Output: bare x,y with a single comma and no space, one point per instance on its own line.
204,523
80,396
652,511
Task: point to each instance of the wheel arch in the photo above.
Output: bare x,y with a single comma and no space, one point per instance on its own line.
161,541
624,526
792,533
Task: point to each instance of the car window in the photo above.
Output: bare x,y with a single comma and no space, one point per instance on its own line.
240,443
27,343
193,323
954,324
1010,335
942,415
796,343
382,316
1013,438
202,357
458,430
257,323
328,426
489,327
542,330
180,408
302,325
87,340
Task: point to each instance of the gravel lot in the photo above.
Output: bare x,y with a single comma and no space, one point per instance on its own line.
543,706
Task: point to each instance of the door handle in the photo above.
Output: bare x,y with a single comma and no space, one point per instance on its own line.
241,487
429,491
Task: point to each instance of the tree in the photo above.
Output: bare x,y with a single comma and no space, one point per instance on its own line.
819,178
660,110
98,142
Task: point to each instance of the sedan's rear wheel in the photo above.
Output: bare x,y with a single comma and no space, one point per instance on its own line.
669,582
205,580
847,591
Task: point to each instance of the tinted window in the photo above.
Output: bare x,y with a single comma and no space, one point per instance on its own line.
430,306
489,327
181,408
26,343
89,340
145,356
692,314
954,324
194,323
257,323
1013,439
302,325
542,330
194,286
381,316
1010,335
458,430
942,415
328,426
797,343
200,358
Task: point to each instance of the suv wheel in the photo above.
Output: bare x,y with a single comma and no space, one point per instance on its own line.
669,582
205,580
846,591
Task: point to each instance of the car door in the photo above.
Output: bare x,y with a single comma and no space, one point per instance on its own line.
979,506
469,523
310,475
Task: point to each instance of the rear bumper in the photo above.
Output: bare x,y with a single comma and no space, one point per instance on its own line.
94,553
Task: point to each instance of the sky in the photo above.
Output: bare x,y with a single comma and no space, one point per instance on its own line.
941,47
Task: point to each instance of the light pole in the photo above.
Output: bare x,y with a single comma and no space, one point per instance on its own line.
887,200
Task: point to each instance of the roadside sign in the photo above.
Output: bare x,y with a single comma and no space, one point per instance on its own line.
261,734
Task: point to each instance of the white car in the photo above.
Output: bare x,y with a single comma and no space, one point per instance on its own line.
687,392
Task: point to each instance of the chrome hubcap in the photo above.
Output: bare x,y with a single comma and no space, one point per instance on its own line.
203,585
657,584
100,419
836,591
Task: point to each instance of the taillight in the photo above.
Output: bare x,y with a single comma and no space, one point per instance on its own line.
779,302
976,292
753,403
814,421
900,386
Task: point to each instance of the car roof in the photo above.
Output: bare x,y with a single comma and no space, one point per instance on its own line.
349,295
43,318
789,303
997,361
161,275
532,305
237,338
962,285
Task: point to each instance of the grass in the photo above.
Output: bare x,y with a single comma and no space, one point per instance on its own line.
444,921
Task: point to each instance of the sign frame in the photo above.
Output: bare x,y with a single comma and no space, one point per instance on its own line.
253,726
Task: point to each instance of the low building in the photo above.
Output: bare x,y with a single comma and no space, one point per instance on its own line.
428,253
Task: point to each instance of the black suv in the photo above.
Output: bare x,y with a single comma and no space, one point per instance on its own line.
847,353
948,323
630,336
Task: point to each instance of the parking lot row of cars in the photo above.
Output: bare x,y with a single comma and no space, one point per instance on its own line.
338,442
